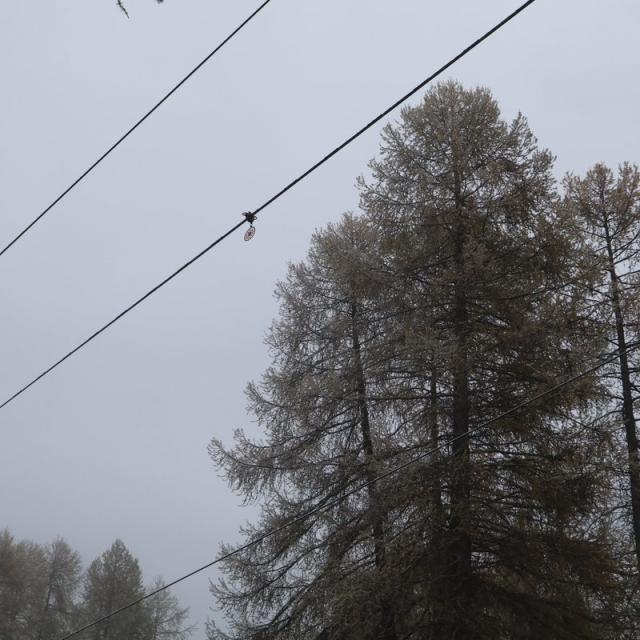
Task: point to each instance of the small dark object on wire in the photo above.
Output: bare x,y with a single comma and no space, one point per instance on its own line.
251,231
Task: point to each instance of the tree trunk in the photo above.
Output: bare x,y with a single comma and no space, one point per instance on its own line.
628,416
45,612
434,442
386,609
437,560
459,556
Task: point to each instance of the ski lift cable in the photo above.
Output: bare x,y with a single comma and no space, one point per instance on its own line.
361,487
250,216
134,127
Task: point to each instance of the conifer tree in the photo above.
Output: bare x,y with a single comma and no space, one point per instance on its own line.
62,578
113,580
326,436
21,586
471,202
448,303
167,619
606,208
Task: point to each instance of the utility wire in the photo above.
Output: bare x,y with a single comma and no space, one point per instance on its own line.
360,487
250,217
134,127
123,313
394,106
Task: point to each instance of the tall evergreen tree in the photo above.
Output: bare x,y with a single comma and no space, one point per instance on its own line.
22,571
167,619
325,436
447,305
485,250
62,578
607,208
113,580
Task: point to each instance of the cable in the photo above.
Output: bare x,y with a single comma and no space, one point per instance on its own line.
394,106
360,487
134,127
250,217
123,313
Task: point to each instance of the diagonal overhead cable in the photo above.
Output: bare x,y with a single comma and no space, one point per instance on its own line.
390,472
250,217
134,127
132,306
394,106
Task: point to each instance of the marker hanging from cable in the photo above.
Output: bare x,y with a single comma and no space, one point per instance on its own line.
251,231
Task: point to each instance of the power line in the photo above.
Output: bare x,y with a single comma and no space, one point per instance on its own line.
134,127
394,106
360,487
250,217
123,313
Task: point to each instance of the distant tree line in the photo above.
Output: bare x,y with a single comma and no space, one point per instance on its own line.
470,283
45,594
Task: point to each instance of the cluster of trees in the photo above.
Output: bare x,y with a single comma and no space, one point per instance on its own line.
44,595
471,283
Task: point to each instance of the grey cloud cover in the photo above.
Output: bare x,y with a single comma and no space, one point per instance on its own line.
114,443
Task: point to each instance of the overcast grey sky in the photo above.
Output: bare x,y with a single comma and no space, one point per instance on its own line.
113,444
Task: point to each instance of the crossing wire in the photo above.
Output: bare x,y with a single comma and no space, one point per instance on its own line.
134,127
363,486
250,216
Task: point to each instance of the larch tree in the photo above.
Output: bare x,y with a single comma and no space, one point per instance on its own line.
167,619
402,333
111,581
467,209
22,583
326,435
607,209
59,613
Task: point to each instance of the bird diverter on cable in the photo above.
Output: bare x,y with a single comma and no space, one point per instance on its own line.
251,231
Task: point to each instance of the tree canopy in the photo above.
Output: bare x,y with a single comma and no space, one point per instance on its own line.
464,288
